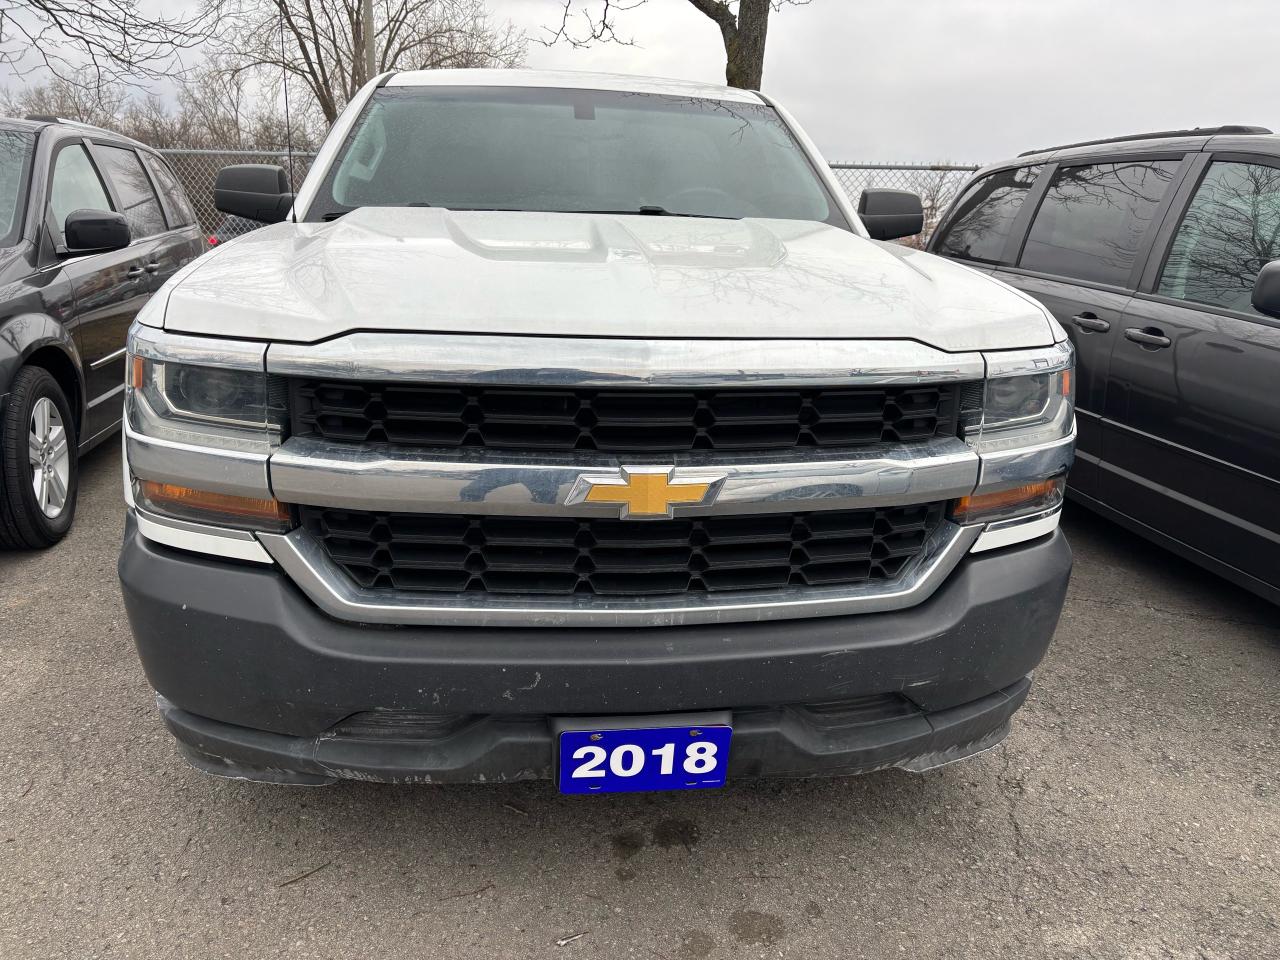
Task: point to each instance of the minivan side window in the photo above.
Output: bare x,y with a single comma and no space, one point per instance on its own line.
176,205
1094,217
75,185
984,215
1231,229
138,200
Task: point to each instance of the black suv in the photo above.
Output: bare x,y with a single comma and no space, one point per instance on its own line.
91,224
1155,252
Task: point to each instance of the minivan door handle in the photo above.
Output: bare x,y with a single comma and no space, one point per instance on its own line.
134,273
1148,336
152,267
1090,323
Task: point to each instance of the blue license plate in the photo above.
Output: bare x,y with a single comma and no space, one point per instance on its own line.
652,758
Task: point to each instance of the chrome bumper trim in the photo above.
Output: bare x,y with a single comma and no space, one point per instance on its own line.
328,474
1004,533
304,561
200,538
575,362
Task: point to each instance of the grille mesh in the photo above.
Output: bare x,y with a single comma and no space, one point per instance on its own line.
445,554
670,421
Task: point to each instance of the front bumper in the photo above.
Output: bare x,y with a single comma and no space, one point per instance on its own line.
256,682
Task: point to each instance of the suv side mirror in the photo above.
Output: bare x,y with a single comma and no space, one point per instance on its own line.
1266,289
256,191
95,231
890,214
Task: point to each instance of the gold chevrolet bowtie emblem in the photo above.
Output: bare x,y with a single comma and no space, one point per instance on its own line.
645,492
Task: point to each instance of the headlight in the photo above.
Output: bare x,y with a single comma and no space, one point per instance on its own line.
214,406
1028,400
202,418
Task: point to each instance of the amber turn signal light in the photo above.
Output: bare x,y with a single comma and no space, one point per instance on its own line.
184,501
1027,498
137,371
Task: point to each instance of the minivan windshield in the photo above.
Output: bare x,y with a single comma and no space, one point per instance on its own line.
574,151
15,166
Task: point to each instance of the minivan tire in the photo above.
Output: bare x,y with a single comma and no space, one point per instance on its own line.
24,523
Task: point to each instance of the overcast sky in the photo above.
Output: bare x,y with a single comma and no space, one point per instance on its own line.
969,80
962,80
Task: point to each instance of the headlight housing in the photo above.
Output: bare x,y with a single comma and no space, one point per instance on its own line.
202,417
1028,400
220,407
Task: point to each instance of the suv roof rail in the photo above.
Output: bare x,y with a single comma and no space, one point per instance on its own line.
48,118
1158,135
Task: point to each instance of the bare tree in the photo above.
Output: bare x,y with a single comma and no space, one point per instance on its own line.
321,42
215,111
73,98
97,42
743,25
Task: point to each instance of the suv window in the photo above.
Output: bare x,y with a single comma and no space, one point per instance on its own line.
985,214
1094,217
1231,229
15,166
76,185
138,200
176,206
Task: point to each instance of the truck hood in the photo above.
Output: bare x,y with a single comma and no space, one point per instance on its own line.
591,275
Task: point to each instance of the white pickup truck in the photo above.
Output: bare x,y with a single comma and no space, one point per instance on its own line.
576,427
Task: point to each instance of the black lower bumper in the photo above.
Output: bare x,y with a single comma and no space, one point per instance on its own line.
256,682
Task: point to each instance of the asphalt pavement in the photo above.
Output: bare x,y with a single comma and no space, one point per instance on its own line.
1134,812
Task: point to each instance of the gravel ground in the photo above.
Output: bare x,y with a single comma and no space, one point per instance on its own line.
1134,812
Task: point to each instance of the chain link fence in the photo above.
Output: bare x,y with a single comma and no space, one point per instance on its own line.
936,184
197,169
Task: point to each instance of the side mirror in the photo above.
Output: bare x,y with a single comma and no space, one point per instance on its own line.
1266,290
95,231
256,191
890,214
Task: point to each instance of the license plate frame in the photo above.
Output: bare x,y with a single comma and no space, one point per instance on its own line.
649,735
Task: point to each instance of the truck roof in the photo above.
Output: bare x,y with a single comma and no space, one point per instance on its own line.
569,80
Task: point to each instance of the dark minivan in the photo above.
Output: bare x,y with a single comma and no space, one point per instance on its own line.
1156,253
91,224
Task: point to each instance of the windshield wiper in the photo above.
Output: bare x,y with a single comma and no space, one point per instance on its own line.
644,211
652,210
336,214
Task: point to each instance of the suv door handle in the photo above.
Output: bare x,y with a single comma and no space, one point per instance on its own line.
152,267
1149,337
134,273
1090,323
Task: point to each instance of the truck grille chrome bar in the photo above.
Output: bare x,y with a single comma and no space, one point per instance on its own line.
375,477
589,363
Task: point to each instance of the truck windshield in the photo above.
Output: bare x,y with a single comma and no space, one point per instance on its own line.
573,151
15,164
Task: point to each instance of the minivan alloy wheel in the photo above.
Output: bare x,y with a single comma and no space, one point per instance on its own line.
50,457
